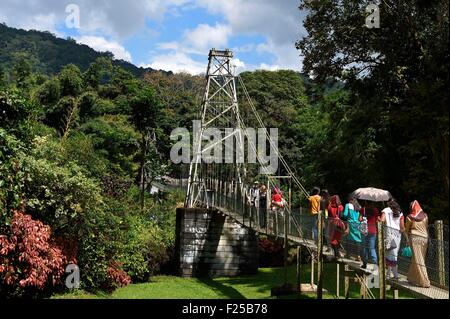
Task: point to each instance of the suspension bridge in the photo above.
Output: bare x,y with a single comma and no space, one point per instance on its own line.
218,227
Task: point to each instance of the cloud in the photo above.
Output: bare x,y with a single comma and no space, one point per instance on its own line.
176,62
278,22
115,18
205,37
103,45
176,56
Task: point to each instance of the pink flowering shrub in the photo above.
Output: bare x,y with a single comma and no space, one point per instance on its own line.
117,275
28,258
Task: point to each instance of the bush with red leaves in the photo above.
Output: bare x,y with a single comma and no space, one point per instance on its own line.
118,276
271,253
28,258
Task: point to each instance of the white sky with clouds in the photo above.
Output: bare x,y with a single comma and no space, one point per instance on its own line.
115,26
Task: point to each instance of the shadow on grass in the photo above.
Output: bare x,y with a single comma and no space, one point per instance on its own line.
219,287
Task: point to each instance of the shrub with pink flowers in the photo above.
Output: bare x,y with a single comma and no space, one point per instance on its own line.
29,260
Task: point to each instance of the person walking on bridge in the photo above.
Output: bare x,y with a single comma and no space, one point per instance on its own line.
370,212
262,206
324,202
395,226
336,226
417,234
351,217
277,205
314,208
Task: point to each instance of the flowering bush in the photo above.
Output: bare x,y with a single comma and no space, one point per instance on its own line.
270,253
28,258
118,277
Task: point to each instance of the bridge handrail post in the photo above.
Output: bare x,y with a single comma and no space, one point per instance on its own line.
320,222
299,265
381,260
439,228
285,246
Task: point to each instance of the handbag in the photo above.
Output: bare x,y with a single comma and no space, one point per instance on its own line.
391,244
406,252
364,227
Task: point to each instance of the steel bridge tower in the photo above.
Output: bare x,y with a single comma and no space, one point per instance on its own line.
220,109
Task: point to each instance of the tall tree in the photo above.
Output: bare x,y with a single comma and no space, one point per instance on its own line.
146,113
399,73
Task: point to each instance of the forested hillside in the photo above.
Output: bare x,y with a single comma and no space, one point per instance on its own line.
49,54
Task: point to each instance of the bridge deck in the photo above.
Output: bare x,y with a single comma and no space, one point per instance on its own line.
434,292
402,283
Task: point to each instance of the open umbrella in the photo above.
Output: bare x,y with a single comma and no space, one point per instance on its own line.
372,194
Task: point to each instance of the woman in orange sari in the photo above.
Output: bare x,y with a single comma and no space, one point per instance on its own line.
417,234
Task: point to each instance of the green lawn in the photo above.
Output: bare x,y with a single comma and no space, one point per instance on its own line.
246,287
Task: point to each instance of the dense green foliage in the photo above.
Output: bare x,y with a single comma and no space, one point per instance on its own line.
70,158
392,128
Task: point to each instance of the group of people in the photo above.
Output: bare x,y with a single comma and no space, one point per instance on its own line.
258,198
358,223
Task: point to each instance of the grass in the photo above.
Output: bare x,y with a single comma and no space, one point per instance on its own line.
246,287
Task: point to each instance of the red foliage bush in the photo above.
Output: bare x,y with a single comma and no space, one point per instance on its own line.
270,253
118,276
28,258
69,248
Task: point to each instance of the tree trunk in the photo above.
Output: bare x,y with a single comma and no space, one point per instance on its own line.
142,182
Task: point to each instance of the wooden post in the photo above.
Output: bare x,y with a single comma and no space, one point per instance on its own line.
439,228
337,279
268,205
312,270
381,261
395,293
285,246
346,282
320,256
299,265
276,223
363,291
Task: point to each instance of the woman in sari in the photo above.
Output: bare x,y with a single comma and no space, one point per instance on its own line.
335,225
395,226
417,234
354,239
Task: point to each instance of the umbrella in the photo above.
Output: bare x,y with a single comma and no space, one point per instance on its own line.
372,194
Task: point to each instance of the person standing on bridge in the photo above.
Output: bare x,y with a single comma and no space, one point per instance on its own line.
351,217
336,226
417,235
395,226
314,208
253,198
324,202
254,194
370,212
277,205
262,206
277,199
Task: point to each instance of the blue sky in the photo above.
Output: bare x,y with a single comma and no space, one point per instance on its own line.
173,35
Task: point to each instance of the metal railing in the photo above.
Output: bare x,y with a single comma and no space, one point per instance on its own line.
429,261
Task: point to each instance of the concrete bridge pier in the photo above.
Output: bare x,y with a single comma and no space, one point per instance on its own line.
212,244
